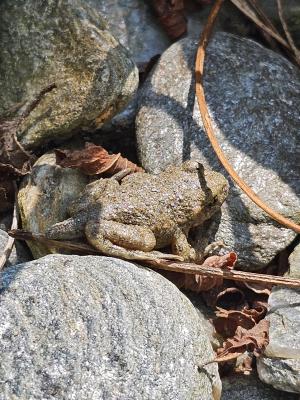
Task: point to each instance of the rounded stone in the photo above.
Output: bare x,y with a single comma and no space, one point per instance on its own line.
280,364
66,43
100,328
253,99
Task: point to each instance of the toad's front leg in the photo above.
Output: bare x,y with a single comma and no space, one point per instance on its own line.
181,246
131,242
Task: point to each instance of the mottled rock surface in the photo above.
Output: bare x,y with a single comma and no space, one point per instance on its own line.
133,23
253,99
45,195
240,387
280,365
99,328
68,43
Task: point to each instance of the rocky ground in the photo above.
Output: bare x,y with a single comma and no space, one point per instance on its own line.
96,327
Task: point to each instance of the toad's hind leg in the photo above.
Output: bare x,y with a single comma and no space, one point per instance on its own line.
131,242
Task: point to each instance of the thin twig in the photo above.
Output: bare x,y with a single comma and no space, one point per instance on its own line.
287,32
245,9
207,123
77,247
241,276
187,268
266,20
11,241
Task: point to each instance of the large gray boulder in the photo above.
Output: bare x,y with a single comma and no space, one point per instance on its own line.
253,99
100,328
67,43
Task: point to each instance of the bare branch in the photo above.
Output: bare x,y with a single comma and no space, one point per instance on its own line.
187,268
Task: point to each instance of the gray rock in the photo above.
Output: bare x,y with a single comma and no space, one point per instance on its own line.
280,365
133,23
206,314
294,261
239,387
19,254
253,98
68,43
100,328
44,197
281,373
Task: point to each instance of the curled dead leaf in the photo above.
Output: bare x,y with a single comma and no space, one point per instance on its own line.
170,14
227,321
201,283
257,288
253,340
94,160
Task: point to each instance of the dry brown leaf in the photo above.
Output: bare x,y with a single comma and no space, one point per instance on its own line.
170,14
227,321
259,289
253,340
200,283
94,160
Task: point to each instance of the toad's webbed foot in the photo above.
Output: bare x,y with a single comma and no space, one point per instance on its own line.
131,242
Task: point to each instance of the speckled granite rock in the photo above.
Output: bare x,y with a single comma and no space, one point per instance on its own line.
280,365
240,387
68,43
45,195
253,98
101,328
20,252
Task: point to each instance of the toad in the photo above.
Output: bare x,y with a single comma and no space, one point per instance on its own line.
133,218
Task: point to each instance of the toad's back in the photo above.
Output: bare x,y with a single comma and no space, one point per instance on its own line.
158,201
